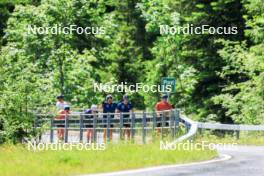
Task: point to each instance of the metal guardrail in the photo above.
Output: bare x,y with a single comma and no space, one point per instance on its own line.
193,126
142,121
190,126
231,127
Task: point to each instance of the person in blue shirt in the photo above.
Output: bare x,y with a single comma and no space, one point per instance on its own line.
90,114
109,107
125,106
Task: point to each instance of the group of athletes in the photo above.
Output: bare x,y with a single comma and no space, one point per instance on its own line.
108,106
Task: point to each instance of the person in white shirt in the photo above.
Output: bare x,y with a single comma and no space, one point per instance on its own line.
60,102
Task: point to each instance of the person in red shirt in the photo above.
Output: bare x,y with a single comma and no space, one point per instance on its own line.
61,116
163,105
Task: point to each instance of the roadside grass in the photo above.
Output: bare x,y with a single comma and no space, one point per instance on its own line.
18,160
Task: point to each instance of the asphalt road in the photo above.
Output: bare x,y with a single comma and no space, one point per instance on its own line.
244,161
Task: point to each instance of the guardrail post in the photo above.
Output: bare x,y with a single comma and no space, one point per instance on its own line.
172,121
144,122
121,126
237,134
177,121
35,127
108,126
200,131
66,129
186,126
94,129
162,125
154,126
81,128
51,130
133,126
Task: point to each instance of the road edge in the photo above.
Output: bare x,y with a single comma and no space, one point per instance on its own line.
221,157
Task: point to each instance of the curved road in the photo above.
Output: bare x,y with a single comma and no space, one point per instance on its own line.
245,161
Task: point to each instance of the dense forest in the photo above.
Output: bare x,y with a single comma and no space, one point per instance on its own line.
220,77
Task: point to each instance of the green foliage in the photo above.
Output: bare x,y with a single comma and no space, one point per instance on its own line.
219,77
244,95
243,98
43,65
115,157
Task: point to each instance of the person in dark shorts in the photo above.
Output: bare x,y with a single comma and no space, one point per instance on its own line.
109,107
125,106
90,114
163,105
61,116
